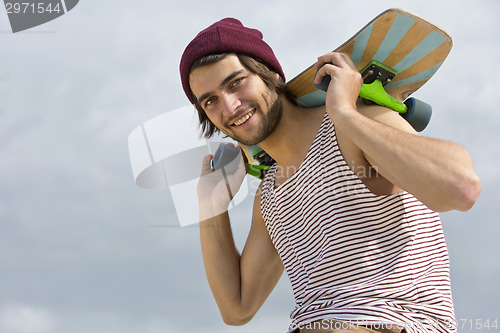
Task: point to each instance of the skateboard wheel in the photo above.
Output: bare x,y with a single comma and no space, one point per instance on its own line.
418,114
223,157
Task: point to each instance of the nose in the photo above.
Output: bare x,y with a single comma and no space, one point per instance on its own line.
230,103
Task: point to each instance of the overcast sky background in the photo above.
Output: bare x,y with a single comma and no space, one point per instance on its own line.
83,249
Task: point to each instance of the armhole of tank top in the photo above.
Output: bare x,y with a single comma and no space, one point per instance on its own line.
350,171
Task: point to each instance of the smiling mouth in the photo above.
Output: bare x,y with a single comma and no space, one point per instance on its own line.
243,119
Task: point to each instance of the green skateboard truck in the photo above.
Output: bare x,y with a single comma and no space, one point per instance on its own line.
375,77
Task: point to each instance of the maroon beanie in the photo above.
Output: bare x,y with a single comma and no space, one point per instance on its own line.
227,35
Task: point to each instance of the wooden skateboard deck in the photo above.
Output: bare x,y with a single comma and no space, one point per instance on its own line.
411,46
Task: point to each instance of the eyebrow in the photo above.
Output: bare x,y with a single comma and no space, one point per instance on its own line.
221,85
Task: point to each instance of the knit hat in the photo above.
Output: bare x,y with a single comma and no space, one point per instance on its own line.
227,35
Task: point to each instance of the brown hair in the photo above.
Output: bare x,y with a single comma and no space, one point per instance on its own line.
253,65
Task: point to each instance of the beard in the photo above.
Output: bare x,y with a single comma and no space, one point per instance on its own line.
270,120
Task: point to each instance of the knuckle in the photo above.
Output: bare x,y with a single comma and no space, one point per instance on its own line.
360,77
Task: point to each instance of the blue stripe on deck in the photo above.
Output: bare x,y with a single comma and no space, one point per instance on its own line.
397,31
429,44
360,44
313,99
425,75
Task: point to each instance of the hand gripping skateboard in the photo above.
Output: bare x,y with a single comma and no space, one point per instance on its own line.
397,52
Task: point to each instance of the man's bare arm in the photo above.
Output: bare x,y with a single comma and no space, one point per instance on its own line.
438,172
240,283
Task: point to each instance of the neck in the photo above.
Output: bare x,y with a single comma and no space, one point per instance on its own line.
290,141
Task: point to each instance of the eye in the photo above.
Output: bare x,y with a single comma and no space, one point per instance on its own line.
237,82
209,101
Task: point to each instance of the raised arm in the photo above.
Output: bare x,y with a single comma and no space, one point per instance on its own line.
240,283
438,172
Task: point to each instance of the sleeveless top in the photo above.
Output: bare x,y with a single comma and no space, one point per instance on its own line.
352,255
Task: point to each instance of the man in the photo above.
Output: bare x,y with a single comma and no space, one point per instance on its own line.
335,210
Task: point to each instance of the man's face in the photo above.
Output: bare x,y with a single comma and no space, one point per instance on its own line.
236,100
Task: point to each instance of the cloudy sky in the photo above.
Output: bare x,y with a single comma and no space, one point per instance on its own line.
83,249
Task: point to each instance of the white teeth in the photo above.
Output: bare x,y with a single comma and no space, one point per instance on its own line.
243,120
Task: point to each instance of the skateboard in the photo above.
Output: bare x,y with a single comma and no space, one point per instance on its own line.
397,52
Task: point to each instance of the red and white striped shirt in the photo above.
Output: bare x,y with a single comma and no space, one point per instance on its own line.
355,256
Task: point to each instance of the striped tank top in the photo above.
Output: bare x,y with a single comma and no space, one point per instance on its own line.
352,255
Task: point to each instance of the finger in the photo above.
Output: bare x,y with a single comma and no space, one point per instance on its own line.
338,59
205,164
331,63
348,61
327,58
327,63
322,60
326,69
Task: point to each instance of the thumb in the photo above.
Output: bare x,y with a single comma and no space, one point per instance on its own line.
205,165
